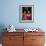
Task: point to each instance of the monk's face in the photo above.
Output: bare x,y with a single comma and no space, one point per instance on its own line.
24,12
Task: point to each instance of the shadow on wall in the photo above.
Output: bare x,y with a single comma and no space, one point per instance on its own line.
2,26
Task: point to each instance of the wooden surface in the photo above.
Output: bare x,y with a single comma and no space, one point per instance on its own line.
34,39
23,39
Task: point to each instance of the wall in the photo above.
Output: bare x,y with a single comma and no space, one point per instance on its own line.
9,13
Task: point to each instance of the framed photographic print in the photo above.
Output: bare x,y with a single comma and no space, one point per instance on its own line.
26,13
